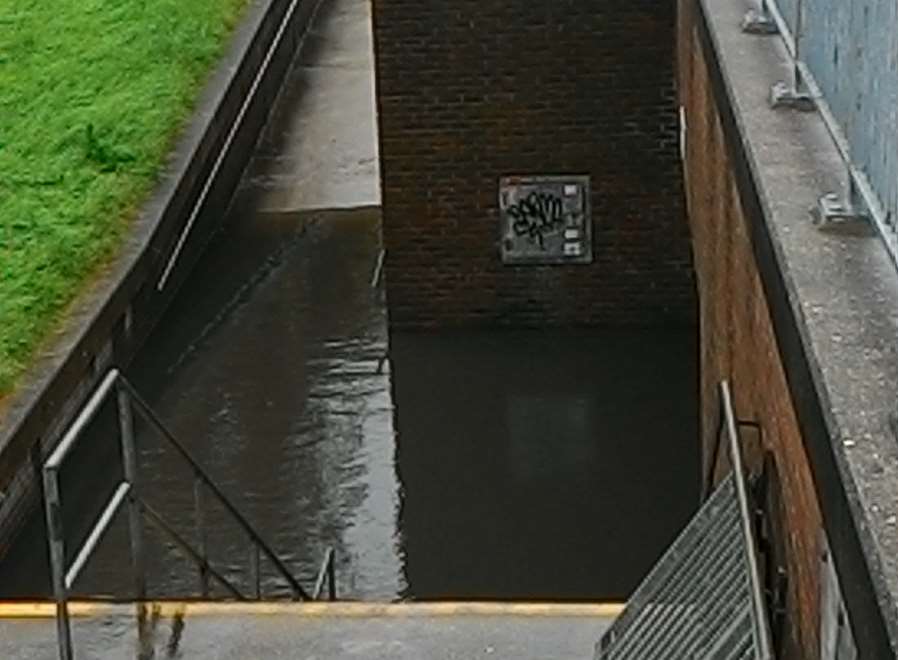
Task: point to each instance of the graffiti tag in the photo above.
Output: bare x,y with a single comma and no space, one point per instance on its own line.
536,216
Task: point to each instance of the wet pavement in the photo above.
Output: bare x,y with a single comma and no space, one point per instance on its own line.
385,633
320,149
537,465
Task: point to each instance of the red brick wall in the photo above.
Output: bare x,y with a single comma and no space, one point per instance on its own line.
737,336
471,90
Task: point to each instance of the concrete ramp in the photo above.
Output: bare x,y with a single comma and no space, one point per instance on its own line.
313,631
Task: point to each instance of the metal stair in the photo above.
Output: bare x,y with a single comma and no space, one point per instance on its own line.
128,493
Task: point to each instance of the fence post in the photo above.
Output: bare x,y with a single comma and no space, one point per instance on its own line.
200,521
255,569
56,540
135,516
798,79
332,579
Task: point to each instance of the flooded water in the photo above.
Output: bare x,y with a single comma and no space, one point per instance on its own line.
528,465
542,465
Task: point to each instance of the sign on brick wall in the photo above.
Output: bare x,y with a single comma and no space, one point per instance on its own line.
545,220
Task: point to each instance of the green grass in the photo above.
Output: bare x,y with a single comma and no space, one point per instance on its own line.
92,95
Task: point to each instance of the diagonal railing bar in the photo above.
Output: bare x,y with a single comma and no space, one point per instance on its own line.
128,491
147,413
156,518
88,412
326,575
99,529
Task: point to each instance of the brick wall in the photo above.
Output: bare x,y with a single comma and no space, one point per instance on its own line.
738,341
471,90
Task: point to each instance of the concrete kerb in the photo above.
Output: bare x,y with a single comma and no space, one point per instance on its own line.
113,318
97,609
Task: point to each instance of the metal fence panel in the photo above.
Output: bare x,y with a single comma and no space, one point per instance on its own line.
789,11
850,47
697,601
704,598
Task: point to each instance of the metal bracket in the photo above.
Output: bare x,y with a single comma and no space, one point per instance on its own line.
759,23
784,95
832,214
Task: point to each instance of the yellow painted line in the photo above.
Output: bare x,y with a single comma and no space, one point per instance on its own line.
18,610
82,609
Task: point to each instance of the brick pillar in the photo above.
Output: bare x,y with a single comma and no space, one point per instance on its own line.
470,91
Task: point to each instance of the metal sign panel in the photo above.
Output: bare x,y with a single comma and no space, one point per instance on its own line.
545,220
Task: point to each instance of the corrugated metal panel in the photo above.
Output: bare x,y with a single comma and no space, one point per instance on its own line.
851,46
851,49
789,11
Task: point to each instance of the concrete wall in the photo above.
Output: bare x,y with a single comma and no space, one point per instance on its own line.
473,90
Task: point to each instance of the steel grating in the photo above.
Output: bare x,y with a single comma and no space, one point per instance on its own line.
698,602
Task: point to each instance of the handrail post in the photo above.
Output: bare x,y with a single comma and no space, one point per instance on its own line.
56,540
326,574
255,569
797,78
200,521
331,579
135,518
151,418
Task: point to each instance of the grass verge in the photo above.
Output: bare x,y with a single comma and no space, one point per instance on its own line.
92,95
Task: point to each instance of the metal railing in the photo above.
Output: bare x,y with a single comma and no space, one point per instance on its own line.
845,58
704,598
128,491
326,576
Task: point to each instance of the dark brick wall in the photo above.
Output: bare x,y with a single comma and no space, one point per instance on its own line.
471,90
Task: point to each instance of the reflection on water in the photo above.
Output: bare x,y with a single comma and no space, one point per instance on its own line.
479,465
267,371
542,465
525,465
281,400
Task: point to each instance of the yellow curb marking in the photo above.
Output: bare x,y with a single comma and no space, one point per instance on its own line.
85,609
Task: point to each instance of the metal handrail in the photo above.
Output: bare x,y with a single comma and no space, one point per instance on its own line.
156,518
709,479
377,274
128,491
327,574
100,527
729,426
147,413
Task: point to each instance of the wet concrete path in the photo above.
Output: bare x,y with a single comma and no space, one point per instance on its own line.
538,465
313,632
